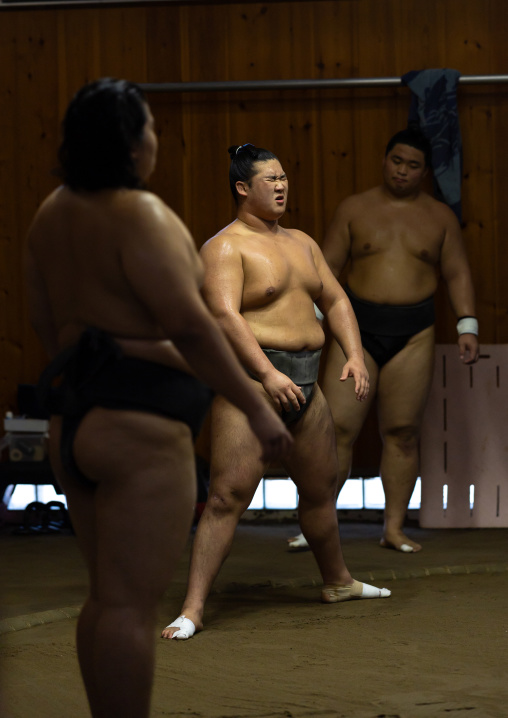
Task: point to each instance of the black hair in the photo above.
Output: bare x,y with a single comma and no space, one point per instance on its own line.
103,123
413,137
243,159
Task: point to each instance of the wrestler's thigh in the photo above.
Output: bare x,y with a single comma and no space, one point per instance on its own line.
143,469
348,413
236,466
404,383
80,496
313,463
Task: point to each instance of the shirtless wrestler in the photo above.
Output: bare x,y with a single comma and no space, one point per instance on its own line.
396,236
114,290
261,282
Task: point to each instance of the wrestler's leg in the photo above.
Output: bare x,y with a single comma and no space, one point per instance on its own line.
313,467
132,527
81,504
348,413
235,472
403,389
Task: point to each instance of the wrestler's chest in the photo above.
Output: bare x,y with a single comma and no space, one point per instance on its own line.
276,272
398,246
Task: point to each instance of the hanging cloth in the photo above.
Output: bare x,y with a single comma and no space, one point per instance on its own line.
434,110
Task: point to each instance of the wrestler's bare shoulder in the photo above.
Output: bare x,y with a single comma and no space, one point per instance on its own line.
141,207
292,233
145,210
130,211
436,212
122,200
233,231
355,204
295,237
237,237
439,211
229,239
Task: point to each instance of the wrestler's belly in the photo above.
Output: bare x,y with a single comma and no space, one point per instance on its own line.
406,289
290,337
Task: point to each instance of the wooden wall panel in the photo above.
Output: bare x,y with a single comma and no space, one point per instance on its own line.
469,25
494,244
32,108
497,245
335,57
165,61
9,248
478,215
331,142
206,122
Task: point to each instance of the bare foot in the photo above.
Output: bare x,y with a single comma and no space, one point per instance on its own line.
335,593
400,542
182,628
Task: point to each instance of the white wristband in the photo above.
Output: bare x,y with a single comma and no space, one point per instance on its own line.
319,314
467,325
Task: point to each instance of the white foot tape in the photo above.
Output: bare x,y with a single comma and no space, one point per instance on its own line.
374,592
186,628
298,542
336,594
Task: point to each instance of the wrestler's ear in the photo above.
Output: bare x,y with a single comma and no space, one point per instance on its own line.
241,188
135,153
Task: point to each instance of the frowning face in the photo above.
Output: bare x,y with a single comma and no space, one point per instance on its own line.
267,191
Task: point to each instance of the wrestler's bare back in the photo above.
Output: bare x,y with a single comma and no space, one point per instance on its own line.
79,240
395,245
273,278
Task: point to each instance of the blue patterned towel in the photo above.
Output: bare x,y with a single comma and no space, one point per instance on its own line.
434,110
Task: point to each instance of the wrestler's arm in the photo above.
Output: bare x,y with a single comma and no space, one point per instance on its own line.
335,305
222,290
162,266
337,241
456,273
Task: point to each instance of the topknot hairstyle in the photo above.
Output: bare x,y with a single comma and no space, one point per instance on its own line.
102,125
243,159
413,137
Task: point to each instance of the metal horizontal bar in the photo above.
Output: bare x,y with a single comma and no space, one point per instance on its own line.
310,84
482,79
235,85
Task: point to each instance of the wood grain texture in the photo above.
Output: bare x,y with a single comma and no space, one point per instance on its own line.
331,142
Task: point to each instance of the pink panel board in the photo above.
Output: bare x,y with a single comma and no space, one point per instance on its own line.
464,443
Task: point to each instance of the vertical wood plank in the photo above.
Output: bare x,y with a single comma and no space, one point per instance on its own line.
331,143
165,43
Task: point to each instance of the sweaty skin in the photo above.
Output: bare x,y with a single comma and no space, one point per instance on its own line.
397,239
115,281
120,260
261,282
262,288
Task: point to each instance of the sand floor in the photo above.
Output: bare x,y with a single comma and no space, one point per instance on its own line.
436,647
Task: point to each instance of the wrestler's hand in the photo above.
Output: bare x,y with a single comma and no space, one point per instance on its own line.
469,348
356,369
276,441
284,393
